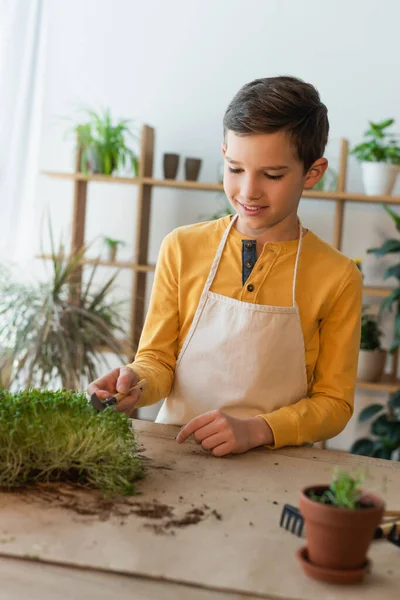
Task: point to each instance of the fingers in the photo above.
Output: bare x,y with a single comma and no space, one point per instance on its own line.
104,386
196,424
222,450
127,405
214,440
127,378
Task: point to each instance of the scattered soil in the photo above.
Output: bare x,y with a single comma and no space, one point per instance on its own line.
92,504
275,502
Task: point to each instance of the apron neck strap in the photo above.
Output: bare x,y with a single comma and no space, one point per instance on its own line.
217,259
296,265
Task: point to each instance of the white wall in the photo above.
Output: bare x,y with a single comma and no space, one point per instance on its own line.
175,65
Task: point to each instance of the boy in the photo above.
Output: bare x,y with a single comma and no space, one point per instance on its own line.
253,329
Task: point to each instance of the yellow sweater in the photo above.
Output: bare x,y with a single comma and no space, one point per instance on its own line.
329,296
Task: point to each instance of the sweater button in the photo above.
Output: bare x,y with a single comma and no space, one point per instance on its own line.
249,245
249,264
250,287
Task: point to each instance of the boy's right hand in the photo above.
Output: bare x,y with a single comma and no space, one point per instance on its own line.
120,380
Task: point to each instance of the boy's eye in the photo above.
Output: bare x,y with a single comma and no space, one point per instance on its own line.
274,177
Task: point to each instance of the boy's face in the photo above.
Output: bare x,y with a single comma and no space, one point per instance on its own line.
264,179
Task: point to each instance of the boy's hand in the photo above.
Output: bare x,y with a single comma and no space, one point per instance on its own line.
223,434
118,380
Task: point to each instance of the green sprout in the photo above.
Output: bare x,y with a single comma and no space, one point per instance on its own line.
57,436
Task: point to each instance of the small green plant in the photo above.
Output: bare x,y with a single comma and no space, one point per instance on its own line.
110,243
343,492
384,429
57,436
391,246
379,146
104,145
370,332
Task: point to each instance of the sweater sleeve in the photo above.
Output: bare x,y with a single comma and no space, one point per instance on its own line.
329,406
156,356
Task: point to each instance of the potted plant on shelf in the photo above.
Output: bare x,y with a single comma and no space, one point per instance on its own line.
391,246
56,332
380,156
112,246
371,359
385,430
103,145
340,521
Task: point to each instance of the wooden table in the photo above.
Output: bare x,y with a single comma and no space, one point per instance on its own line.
235,550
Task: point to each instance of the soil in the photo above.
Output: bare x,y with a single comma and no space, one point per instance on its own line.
89,503
359,505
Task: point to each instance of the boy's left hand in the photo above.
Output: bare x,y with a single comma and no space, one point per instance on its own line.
222,434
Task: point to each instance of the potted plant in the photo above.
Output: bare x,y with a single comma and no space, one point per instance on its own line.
112,246
385,430
56,331
103,145
380,156
340,521
57,436
391,246
371,359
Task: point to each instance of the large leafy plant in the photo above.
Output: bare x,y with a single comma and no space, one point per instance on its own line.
57,436
384,429
103,145
391,246
379,146
56,332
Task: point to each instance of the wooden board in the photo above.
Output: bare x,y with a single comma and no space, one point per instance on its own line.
239,548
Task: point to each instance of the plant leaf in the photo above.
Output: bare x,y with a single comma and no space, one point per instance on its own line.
370,411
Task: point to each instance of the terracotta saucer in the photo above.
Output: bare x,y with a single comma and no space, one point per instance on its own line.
331,575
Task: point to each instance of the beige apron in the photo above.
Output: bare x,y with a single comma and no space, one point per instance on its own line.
245,359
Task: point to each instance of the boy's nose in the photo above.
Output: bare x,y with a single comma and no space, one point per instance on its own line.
250,189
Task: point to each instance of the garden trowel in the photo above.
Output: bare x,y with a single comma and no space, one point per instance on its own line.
101,405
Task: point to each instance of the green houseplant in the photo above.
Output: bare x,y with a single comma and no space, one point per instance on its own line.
104,147
391,246
340,521
56,331
384,429
379,154
112,246
57,436
371,359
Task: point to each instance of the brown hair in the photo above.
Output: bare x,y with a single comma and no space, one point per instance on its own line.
281,104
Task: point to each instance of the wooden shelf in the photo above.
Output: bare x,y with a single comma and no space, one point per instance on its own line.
186,185
387,384
107,263
100,178
382,292
215,187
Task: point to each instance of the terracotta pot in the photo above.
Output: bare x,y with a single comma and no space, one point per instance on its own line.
339,538
192,169
371,365
170,164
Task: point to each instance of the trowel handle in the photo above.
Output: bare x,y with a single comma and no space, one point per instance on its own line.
139,386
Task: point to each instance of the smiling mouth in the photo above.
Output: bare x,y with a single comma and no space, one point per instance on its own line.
250,206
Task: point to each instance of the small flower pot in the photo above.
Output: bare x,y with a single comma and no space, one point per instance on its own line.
170,165
338,538
379,178
192,168
371,365
112,254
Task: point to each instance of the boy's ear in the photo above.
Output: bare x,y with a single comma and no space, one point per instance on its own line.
223,148
315,172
